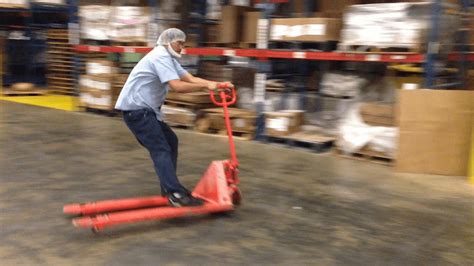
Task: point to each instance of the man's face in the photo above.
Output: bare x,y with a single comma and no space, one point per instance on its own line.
177,46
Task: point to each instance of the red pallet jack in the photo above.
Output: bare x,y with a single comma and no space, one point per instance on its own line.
217,187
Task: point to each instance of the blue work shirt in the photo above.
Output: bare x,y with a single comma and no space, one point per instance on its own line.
147,84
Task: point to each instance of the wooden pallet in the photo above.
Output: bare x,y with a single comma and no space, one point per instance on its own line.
61,52
368,156
60,62
310,141
192,106
5,5
51,76
62,90
60,82
181,126
8,92
213,119
247,45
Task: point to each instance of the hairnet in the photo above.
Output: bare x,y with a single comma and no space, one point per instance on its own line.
171,35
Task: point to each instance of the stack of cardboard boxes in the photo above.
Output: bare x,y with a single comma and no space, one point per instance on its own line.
99,88
114,23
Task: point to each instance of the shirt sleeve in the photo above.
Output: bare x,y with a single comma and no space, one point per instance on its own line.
179,68
165,69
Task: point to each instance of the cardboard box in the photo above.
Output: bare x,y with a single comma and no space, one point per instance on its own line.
250,26
178,115
98,99
338,6
435,131
212,34
378,114
305,29
100,67
96,82
283,123
232,21
241,120
128,23
470,80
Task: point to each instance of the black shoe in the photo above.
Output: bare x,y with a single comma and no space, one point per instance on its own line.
177,199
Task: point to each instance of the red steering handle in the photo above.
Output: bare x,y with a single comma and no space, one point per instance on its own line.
227,94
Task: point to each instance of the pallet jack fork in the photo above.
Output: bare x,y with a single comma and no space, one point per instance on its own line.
217,187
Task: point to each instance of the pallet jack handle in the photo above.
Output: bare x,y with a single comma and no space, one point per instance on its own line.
228,97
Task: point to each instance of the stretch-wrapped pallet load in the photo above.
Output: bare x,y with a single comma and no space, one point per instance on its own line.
128,24
96,92
94,20
100,67
99,89
213,9
50,2
14,3
305,29
394,25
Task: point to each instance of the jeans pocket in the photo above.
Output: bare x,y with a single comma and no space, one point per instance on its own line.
135,114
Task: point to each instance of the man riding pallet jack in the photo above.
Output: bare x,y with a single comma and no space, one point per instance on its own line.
140,100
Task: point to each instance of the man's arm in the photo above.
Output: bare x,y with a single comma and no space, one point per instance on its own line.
183,86
195,80
190,83
192,79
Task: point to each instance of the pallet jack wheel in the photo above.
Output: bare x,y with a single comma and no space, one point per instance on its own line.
236,196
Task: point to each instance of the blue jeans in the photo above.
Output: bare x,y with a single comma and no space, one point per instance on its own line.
162,144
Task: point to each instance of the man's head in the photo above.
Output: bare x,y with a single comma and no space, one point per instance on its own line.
174,40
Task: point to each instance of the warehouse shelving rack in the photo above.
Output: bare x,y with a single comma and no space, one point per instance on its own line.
35,19
433,56
263,53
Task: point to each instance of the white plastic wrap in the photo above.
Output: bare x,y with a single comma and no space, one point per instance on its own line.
342,85
128,23
213,9
94,21
94,13
166,109
51,2
355,134
402,25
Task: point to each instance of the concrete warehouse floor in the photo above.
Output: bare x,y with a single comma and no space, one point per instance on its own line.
299,208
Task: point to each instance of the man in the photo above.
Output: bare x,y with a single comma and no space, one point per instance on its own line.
141,99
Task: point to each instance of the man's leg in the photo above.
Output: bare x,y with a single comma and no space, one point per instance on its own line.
173,142
149,132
